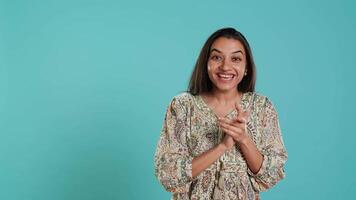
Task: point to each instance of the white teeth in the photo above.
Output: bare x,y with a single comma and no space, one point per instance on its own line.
226,76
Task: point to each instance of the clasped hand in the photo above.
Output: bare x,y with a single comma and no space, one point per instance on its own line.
235,129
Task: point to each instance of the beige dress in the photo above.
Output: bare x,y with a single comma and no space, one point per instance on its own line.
190,128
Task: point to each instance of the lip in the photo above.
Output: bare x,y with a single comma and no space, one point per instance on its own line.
222,79
225,74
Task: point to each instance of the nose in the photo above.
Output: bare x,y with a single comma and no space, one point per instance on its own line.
225,65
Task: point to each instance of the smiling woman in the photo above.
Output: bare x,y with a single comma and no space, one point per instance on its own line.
221,139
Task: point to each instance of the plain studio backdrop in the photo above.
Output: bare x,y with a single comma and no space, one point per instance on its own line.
84,86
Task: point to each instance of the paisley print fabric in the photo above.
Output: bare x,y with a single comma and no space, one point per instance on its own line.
190,128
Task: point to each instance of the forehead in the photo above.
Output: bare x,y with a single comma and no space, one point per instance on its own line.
227,45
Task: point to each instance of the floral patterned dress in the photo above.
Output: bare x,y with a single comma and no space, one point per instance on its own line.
191,128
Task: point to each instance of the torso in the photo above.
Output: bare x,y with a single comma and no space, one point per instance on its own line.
227,177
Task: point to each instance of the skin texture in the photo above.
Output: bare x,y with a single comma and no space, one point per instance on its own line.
227,57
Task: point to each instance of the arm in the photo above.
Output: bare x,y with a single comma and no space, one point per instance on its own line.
173,162
273,151
265,165
251,154
203,161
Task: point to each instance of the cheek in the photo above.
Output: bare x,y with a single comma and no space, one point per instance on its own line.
241,67
211,67
210,72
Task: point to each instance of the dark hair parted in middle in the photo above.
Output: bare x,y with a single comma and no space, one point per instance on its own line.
200,82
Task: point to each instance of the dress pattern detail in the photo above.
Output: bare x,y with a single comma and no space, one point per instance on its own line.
190,128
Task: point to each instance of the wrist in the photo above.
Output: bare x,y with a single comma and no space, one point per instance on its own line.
221,148
245,141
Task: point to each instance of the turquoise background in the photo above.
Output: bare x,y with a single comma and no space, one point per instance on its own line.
84,86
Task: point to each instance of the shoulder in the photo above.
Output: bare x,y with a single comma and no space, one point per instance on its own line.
257,97
261,100
182,101
183,98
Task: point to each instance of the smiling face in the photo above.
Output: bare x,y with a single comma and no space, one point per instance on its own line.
226,63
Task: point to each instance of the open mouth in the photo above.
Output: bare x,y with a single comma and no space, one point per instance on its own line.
226,77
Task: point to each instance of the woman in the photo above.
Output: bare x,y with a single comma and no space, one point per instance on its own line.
221,139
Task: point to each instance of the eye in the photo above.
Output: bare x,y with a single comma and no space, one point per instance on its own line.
215,57
236,59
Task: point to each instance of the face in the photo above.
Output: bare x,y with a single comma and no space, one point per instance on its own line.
226,64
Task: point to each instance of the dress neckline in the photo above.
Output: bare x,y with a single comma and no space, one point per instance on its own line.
209,110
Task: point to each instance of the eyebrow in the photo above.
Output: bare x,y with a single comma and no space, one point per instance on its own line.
231,53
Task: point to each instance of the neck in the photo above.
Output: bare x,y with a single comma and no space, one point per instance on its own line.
225,97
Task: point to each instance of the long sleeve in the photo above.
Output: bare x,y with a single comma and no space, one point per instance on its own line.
273,151
173,162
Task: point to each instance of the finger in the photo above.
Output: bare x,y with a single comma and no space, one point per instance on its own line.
237,126
243,113
226,120
248,111
238,122
236,129
241,119
232,134
233,123
229,132
238,107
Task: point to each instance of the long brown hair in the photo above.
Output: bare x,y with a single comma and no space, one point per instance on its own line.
200,81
